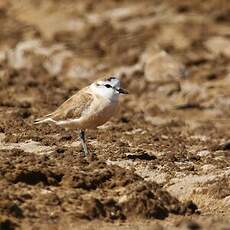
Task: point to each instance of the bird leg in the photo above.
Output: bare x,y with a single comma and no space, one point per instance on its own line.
83,143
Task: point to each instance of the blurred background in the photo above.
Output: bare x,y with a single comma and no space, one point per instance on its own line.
172,55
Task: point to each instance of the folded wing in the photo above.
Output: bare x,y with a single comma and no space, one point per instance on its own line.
73,108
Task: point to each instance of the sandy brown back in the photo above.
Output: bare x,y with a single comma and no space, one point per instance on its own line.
73,107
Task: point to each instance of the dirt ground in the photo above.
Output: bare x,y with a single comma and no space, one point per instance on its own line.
163,162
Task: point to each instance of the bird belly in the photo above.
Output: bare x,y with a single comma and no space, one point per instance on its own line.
99,117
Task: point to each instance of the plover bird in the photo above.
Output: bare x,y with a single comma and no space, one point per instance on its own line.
89,108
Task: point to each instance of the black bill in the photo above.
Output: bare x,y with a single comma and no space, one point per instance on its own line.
123,91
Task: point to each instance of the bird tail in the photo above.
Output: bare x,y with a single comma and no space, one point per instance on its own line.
44,119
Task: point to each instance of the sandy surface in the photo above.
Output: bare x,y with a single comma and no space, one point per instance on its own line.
163,162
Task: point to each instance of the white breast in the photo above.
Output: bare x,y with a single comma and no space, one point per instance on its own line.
101,110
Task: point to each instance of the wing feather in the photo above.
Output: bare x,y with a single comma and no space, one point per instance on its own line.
73,108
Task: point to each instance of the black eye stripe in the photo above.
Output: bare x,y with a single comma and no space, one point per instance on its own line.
108,86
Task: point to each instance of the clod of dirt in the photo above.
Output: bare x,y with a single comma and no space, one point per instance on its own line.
108,209
191,225
88,180
224,146
11,209
95,190
189,106
218,188
141,155
24,113
155,207
218,46
35,177
7,224
162,67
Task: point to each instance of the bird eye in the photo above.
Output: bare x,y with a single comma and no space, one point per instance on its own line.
108,86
